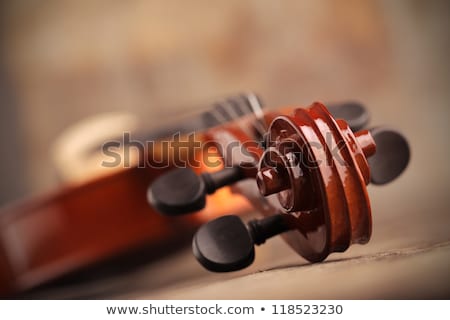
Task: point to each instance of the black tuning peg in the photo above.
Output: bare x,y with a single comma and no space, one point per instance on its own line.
392,155
182,191
354,113
227,244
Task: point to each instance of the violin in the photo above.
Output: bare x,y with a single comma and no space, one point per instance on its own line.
305,170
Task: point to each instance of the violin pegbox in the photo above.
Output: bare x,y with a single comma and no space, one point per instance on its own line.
314,170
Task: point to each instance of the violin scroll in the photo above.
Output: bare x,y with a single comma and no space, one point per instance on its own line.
316,169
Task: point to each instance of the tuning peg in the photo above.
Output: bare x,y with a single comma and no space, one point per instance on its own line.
227,244
392,151
391,157
354,113
182,191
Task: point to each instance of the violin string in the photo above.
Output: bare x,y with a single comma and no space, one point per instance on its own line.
234,107
260,125
231,106
222,114
226,111
219,116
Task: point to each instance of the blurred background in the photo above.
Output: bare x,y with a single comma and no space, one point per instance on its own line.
62,61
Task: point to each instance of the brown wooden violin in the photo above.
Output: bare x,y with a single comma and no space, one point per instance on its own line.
304,170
